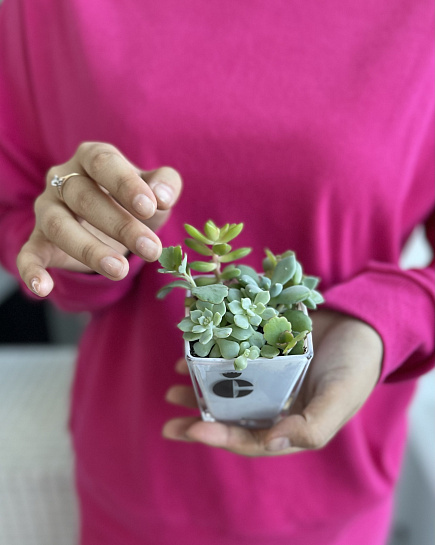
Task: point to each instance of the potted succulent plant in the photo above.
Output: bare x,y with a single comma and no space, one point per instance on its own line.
247,336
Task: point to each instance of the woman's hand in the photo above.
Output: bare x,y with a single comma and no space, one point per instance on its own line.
110,208
343,373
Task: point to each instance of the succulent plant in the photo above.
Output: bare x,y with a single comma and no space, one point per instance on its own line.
232,311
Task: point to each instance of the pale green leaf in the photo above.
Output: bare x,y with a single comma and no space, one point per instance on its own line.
202,266
211,230
198,247
229,349
268,351
215,293
196,235
284,270
232,232
236,254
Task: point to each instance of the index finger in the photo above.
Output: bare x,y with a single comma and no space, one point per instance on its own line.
105,164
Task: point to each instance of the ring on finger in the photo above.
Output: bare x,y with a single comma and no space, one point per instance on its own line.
59,182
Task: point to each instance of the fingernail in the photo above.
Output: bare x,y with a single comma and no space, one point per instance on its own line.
147,248
144,206
163,192
112,266
277,444
35,284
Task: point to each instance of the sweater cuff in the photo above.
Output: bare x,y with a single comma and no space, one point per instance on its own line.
399,305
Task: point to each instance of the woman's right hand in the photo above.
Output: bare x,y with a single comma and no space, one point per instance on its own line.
111,208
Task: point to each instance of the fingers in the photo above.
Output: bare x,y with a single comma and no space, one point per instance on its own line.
176,429
166,185
87,201
32,262
91,220
141,193
62,231
181,367
183,396
341,378
311,430
218,435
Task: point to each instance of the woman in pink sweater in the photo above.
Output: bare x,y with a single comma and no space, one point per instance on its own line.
310,122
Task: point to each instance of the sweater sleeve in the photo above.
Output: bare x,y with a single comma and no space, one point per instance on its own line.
24,160
399,305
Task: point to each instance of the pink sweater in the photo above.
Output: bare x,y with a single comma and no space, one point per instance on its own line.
309,121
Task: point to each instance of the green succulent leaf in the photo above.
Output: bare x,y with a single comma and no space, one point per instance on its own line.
268,351
270,261
202,305
223,231
240,363
221,332
293,294
311,282
211,230
196,234
284,270
190,336
235,307
252,290
276,289
274,328
230,272
317,297
254,353
183,267
249,271
262,297
215,352
171,258
255,320
229,349
299,320
257,339
244,345
215,293
298,349
205,280
234,295
290,345
202,266
207,336
236,254
265,283
268,314
310,304
220,308
169,287
186,324
221,249
229,317
232,232
297,278
241,321
198,247
203,349
242,334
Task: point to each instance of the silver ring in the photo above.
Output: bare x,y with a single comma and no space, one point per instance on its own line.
59,182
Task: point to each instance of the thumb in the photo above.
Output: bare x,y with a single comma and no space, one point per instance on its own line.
315,426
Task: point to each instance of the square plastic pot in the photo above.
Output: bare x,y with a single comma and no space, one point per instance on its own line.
256,397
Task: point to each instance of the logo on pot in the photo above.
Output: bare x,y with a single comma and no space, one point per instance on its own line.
233,388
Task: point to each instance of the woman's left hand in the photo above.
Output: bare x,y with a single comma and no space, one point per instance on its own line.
343,373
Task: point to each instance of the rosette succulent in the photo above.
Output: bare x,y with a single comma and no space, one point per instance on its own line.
233,312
